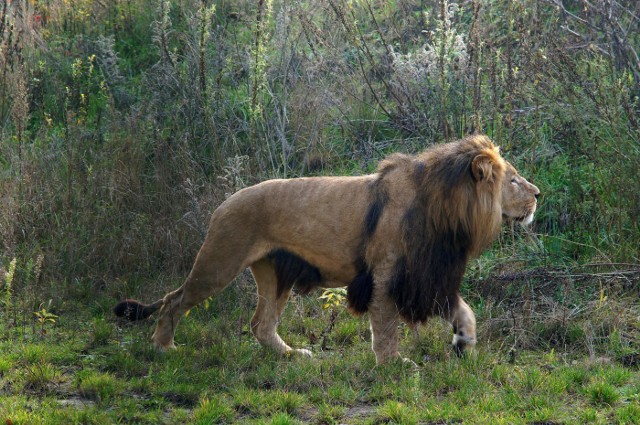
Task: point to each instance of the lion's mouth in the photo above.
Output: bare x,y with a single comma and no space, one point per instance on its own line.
525,219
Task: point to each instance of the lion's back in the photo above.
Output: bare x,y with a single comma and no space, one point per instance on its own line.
327,207
318,218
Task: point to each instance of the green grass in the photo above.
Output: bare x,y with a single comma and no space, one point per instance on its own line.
90,368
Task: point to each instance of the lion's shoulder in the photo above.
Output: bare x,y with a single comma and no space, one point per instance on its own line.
394,162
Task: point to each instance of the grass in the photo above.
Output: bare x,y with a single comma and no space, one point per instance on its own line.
89,368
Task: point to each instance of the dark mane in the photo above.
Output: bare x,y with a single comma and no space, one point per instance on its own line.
425,281
427,277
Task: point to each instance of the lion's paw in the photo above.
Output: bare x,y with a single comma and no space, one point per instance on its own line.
461,343
300,352
409,363
398,360
165,348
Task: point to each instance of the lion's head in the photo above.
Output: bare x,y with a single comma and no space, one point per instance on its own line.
519,197
463,190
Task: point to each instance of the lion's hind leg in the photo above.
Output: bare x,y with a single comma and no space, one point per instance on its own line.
464,326
209,275
271,303
168,320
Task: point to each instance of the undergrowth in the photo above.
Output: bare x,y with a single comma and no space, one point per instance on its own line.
555,346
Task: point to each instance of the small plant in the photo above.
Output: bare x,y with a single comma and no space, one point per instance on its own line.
102,331
288,402
396,412
282,419
333,298
346,332
43,317
629,414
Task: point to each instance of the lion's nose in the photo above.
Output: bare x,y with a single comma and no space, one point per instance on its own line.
536,191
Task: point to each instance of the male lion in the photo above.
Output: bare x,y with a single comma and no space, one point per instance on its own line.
399,240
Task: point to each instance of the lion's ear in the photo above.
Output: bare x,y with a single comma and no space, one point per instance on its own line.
482,167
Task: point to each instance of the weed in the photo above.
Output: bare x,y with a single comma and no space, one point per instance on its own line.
97,386
329,413
340,393
282,419
333,298
588,415
39,377
395,412
346,332
5,365
602,394
35,353
287,402
617,376
213,411
248,402
102,331
7,287
629,414
575,377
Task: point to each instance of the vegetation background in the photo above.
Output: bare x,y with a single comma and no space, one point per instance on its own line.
124,123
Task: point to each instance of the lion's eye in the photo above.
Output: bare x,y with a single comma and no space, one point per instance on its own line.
514,181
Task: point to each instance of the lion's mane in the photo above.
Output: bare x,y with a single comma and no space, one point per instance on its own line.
454,214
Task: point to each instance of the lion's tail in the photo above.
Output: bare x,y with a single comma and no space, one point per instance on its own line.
135,310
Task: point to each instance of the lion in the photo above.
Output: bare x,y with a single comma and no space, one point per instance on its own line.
398,239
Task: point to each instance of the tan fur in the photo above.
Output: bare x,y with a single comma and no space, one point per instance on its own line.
321,220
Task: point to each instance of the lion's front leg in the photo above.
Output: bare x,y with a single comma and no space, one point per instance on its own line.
464,326
384,320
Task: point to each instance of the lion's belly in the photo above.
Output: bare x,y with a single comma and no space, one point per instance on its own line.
321,220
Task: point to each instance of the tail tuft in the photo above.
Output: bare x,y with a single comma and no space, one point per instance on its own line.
134,310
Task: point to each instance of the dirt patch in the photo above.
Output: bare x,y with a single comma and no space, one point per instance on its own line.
76,403
186,400
360,411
